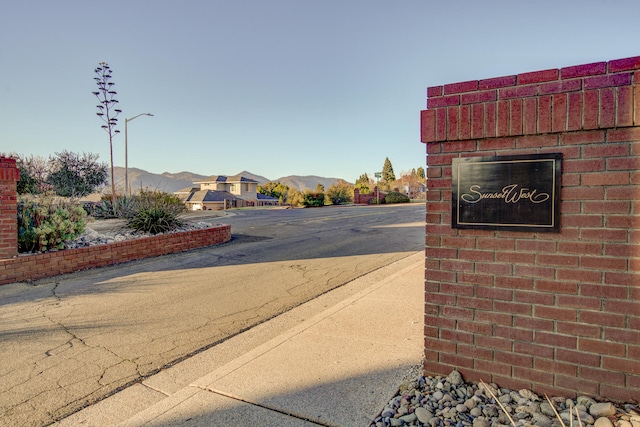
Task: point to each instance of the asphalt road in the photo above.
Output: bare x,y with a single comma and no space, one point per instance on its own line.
69,341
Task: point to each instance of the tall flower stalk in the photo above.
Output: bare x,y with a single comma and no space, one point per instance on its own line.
108,112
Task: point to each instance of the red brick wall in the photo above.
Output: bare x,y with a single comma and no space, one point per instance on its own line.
30,267
557,313
363,199
9,176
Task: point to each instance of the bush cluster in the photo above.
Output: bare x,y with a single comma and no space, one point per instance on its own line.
48,223
313,199
395,197
149,211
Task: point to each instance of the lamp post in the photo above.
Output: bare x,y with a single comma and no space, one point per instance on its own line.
126,153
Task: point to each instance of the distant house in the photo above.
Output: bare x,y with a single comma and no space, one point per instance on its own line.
223,192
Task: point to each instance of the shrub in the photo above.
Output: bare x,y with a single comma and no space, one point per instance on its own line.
104,208
155,212
48,223
395,197
313,199
340,193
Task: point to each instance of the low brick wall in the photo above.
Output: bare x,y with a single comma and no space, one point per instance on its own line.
37,266
364,199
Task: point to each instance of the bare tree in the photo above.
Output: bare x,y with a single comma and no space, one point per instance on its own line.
108,113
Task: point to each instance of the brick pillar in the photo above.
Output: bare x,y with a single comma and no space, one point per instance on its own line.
556,313
9,176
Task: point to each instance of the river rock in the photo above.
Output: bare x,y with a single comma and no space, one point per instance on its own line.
547,410
436,402
584,417
605,409
603,422
490,411
529,395
409,418
454,378
542,420
480,422
585,401
476,412
423,415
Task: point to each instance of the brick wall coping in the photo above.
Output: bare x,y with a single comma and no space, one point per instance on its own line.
582,97
30,267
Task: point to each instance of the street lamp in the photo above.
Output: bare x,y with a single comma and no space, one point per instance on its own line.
126,153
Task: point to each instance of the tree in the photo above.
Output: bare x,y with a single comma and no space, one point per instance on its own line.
364,184
274,189
33,173
294,197
108,113
420,172
313,198
75,175
387,172
340,192
411,184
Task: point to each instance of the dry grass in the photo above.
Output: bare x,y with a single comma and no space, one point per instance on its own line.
571,408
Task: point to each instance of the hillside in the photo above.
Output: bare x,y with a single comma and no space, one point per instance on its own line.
171,182
168,182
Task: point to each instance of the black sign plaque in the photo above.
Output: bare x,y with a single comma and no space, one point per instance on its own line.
517,193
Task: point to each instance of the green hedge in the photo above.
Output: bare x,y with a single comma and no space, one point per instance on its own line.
395,197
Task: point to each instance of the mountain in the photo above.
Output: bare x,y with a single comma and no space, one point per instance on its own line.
166,181
260,179
171,182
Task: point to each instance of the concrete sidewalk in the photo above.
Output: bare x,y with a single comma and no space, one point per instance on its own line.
330,362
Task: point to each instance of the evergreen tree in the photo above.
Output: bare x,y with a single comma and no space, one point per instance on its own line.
420,172
363,184
387,172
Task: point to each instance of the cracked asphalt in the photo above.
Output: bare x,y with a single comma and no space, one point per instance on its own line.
69,341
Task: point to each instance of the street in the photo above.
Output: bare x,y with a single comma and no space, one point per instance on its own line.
69,341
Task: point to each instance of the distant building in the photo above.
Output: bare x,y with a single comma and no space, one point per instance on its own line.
223,192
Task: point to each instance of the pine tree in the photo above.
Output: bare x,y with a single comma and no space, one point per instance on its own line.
363,184
387,172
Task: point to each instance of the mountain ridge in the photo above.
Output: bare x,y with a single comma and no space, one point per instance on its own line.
171,182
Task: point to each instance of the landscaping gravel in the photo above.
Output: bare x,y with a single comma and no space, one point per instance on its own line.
451,402
103,232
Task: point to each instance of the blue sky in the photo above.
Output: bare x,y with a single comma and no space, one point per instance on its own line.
275,87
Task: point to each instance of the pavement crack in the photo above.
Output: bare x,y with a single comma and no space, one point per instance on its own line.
268,408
